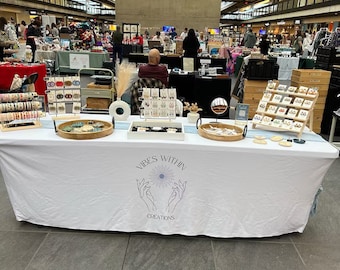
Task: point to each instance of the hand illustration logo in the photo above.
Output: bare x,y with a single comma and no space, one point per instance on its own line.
158,187
145,194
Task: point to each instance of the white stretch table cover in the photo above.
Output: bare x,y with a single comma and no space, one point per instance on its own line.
286,65
191,187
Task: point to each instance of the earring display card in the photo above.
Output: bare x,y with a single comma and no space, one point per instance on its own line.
158,103
62,93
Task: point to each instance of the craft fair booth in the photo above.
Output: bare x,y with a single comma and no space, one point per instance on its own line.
194,186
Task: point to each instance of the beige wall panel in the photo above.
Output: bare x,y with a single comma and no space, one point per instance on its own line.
180,13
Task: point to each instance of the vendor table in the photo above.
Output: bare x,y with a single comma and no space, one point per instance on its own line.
131,48
306,63
286,65
8,71
41,55
95,60
175,60
192,187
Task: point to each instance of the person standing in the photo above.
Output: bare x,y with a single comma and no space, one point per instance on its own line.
264,44
298,41
173,33
184,33
158,37
23,29
117,40
307,42
250,39
54,30
33,31
191,44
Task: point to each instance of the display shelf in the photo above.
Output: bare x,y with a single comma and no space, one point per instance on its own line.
286,109
99,94
19,111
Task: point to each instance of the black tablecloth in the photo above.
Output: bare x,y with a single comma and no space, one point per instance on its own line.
193,88
176,61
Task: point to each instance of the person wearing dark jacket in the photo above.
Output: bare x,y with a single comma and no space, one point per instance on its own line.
117,40
33,31
264,45
191,44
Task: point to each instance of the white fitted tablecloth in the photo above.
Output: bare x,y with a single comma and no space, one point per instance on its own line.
191,187
286,65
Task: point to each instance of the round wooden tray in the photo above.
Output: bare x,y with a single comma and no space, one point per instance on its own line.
106,130
240,132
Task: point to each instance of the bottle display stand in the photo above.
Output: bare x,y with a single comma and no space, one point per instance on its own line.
19,111
63,97
286,108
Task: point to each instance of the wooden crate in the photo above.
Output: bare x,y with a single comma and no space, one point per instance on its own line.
253,92
314,78
311,74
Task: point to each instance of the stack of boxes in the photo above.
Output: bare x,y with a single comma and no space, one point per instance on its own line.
314,78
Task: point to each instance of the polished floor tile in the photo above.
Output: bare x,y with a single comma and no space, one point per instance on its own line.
256,255
18,248
168,253
80,251
320,257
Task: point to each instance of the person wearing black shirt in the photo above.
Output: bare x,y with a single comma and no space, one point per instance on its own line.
33,31
117,40
191,44
264,45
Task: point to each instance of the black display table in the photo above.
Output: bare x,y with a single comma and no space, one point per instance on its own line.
201,89
176,61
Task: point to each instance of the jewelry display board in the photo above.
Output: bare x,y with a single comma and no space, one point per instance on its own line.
286,108
158,103
63,96
19,111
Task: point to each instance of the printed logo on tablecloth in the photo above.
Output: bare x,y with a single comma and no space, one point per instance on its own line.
160,186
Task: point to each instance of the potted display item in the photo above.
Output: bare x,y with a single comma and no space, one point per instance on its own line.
193,113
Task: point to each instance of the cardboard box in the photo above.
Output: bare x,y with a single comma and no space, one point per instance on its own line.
98,86
98,103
